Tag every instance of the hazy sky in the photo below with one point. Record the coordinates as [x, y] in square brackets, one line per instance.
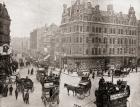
[29, 14]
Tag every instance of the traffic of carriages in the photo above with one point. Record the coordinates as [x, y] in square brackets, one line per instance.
[24, 84]
[49, 79]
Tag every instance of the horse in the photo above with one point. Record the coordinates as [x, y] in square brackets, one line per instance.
[70, 87]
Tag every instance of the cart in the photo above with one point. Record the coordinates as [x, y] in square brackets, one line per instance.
[50, 94]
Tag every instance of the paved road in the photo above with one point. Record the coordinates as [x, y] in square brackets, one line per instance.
[35, 97]
[68, 101]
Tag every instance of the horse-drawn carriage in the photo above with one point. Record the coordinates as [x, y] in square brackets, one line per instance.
[25, 84]
[41, 72]
[120, 72]
[50, 94]
[82, 90]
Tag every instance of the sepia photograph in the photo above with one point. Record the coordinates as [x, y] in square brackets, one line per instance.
[69, 53]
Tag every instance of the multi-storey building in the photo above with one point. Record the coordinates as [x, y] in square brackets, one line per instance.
[41, 39]
[33, 42]
[139, 43]
[97, 37]
[5, 54]
[20, 44]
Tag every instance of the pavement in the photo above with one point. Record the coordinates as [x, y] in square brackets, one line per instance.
[69, 101]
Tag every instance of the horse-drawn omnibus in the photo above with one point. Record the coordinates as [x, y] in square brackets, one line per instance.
[50, 94]
[112, 95]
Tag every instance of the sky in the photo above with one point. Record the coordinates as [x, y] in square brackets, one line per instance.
[27, 15]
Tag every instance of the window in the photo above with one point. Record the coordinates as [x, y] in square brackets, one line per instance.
[105, 30]
[113, 40]
[121, 40]
[110, 40]
[113, 51]
[96, 39]
[93, 40]
[97, 30]
[100, 30]
[77, 40]
[118, 40]
[126, 41]
[86, 39]
[114, 31]
[77, 28]
[70, 39]
[100, 40]
[81, 28]
[109, 50]
[99, 51]
[70, 50]
[86, 51]
[110, 30]
[92, 51]
[96, 51]
[80, 39]
[129, 32]
[87, 28]
[126, 32]
[93, 29]
[70, 29]
[121, 31]
[105, 40]
[129, 41]
[134, 41]
[118, 51]
[104, 50]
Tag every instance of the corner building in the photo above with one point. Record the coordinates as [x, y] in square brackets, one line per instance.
[94, 38]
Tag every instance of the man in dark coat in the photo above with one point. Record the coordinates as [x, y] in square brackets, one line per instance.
[27, 97]
[6, 90]
[28, 71]
[10, 90]
[32, 71]
[23, 96]
[16, 93]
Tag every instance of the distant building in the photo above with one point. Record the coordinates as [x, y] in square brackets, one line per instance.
[33, 42]
[139, 43]
[41, 39]
[20, 44]
[94, 37]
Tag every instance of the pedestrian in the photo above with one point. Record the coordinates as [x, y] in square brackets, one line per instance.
[93, 75]
[10, 90]
[32, 71]
[28, 71]
[16, 93]
[27, 97]
[23, 96]
[6, 90]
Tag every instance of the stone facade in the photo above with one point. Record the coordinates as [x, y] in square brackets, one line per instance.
[91, 36]
[41, 39]
[5, 56]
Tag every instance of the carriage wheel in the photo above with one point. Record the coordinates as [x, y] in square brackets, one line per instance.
[81, 96]
[45, 104]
